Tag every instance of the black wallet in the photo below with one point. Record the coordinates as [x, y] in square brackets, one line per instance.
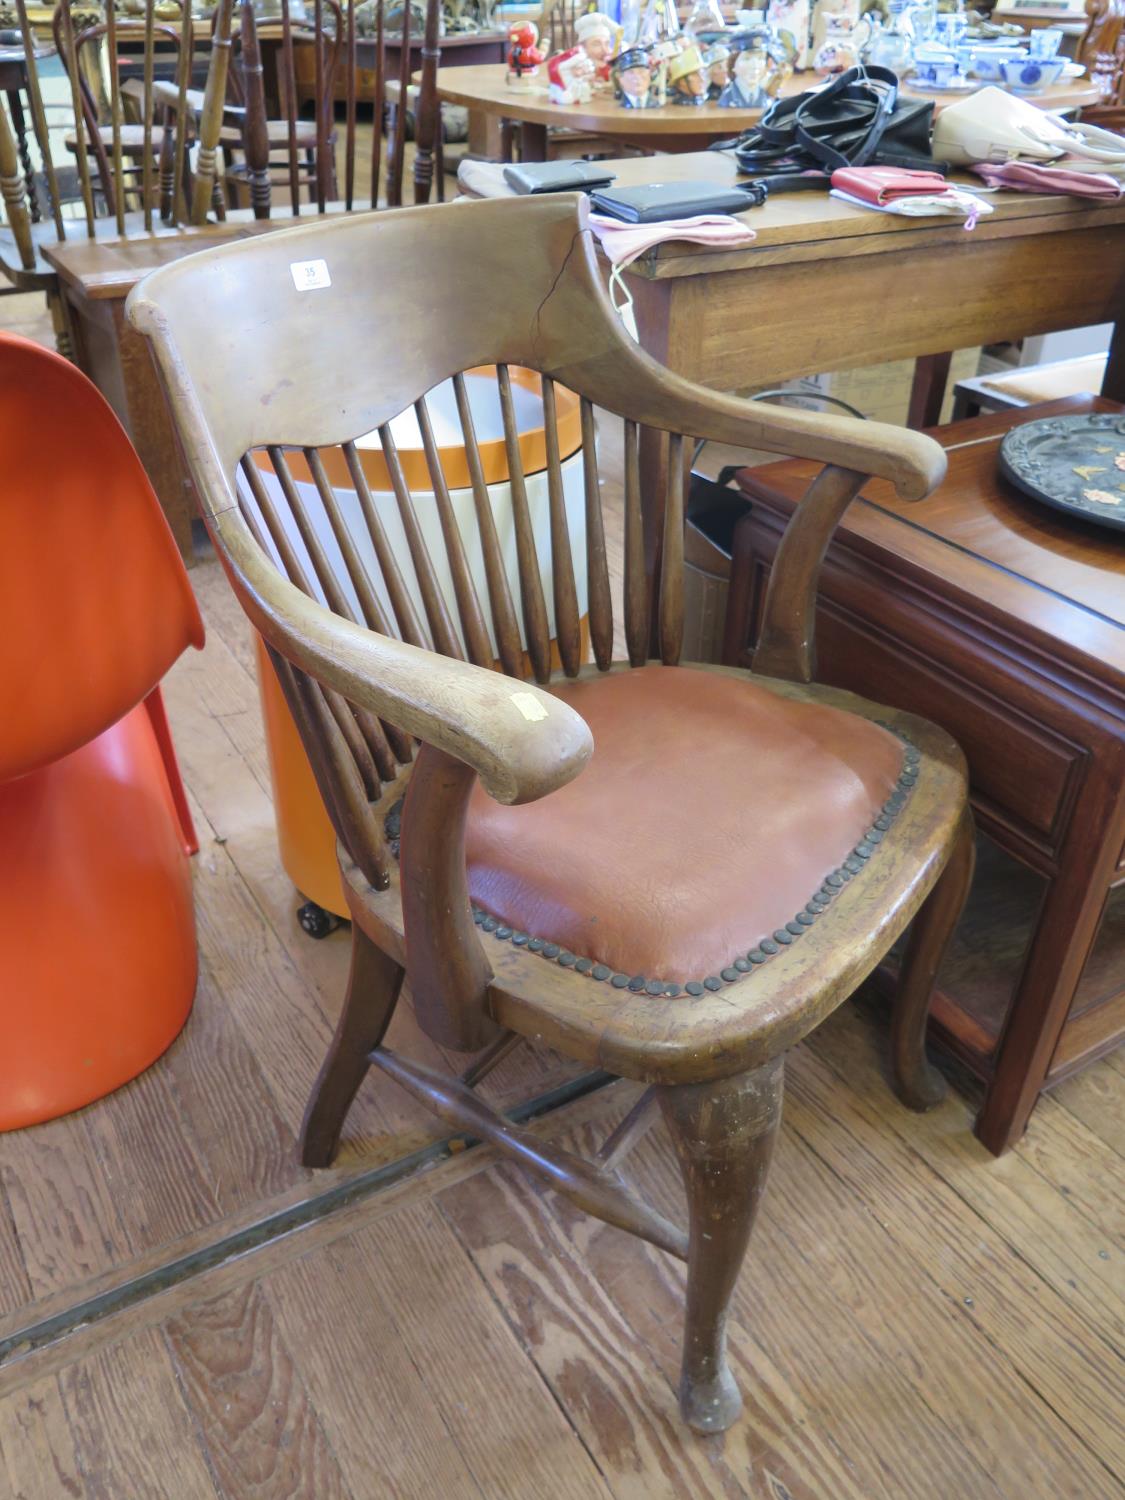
[557, 176]
[677, 200]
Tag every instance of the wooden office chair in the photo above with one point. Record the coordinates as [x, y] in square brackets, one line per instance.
[671, 872]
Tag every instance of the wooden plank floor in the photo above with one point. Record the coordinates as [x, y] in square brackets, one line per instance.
[183, 1317]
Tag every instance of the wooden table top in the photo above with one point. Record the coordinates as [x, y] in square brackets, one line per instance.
[814, 226]
[1064, 578]
[486, 87]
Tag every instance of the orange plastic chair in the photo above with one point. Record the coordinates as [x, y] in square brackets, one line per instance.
[97, 932]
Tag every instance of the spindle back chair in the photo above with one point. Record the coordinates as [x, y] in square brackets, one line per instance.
[140, 165]
[131, 174]
[398, 625]
[1102, 50]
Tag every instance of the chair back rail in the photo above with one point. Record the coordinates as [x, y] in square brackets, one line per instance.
[286, 398]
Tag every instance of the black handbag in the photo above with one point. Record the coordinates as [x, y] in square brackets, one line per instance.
[857, 120]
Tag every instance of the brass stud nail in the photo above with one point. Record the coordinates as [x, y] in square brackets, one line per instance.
[742, 965]
[693, 987]
[637, 983]
[805, 919]
[504, 933]
[730, 975]
[671, 990]
[519, 939]
[782, 937]
[535, 945]
[835, 880]
[882, 821]
[567, 960]
[769, 946]
[551, 950]
[655, 987]
[794, 927]
[619, 981]
[853, 864]
[490, 924]
[582, 965]
[756, 956]
[712, 983]
[601, 971]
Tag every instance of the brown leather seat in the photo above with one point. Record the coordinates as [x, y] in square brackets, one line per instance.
[708, 829]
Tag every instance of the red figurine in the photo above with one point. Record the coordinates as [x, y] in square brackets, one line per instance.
[524, 55]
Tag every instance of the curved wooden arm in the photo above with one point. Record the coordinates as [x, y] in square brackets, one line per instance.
[521, 741]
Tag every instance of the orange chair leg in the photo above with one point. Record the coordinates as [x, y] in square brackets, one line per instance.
[158, 718]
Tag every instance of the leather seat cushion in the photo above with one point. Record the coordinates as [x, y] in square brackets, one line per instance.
[709, 814]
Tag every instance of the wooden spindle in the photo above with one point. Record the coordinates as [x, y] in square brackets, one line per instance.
[183, 81]
[599, 596]
[147, 114]
[406, 616]
[427, 116]
[288, 92]
[39, 117]
[115, 118]
[379, 101]
[468, 605]
[395, 170]
[536, 628]
[567, 630]
[211, 117]
[13, 189]
[337, 775]
[318, 106]
[255, 128]
[325, 573]
[384, 744]
[672, 557]
[64, 38]
[349, 112]
[372, 610]
[433, 600]
[504, 623]
[636, 584]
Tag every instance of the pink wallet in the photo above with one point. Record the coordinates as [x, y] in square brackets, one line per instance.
[884, 184]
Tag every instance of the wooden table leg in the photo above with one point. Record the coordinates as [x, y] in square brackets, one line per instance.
[927, 392]
[485, 136]
[533, 141]
[1113, 381]
[1064, 934]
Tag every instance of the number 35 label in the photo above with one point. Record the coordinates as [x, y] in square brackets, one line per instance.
[309, 275]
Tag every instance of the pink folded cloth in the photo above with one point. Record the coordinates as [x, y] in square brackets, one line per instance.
[1034, 177]
[623, 242]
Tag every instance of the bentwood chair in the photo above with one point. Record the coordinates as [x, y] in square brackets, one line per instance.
[673, 872]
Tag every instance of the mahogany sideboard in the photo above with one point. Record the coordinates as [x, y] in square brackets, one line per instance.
[1004, 622]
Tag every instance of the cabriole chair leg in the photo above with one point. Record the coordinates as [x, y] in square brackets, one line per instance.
[374, 983]
[724, 1134]
[916, 1081]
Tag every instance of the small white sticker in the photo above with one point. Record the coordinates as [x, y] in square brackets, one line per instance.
[309, 275]
[529, 705]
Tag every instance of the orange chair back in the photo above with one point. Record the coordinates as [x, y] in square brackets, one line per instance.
[95, 604]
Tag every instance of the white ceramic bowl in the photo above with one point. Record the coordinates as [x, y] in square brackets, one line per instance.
[1031, 75]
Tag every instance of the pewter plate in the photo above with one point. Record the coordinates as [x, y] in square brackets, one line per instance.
[1076, 464]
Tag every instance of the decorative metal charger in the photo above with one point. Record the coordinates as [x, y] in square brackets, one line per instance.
[1076, 464]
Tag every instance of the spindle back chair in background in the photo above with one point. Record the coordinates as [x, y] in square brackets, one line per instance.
[1102, 50]
[512, 921]
[131, 174]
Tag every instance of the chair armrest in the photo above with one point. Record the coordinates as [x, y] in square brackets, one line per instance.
[520, 741]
